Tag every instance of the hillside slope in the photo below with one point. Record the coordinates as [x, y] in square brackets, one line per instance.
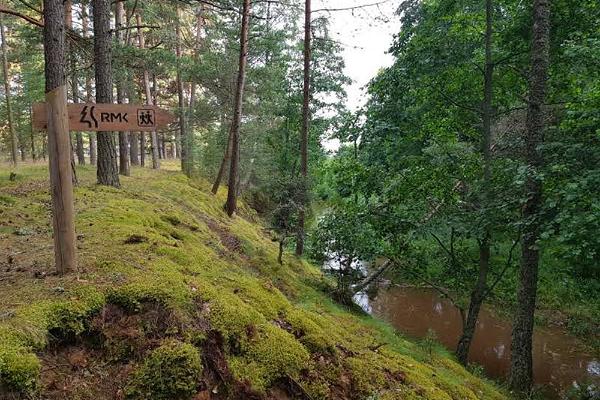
[174, 300]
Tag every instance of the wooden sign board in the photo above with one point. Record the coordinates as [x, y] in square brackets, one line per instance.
[91, 117]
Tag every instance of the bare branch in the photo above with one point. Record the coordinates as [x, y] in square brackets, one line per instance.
[351, 8]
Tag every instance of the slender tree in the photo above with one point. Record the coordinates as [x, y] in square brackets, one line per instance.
[58, 136]
[231, 204]
[146, 82]
[480, 290]
[88, 81]
[181, 137]
[521, 368]
[123, 136]
[7, 95]
[224, 161]
[305, 128]
[74, 84]
[108, 171]
[188, 142]
[69, 26]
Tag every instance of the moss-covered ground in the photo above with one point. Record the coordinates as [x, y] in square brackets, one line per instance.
[173, 299]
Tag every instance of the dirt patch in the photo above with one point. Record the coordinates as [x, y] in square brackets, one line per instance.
[231, 242]
[78, 371]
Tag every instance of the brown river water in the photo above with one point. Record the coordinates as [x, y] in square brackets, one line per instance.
[560, 360]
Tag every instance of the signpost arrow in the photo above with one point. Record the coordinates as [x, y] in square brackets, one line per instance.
[91, 117]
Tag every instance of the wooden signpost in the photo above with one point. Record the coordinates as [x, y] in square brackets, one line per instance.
[91, 117]
[58, 118]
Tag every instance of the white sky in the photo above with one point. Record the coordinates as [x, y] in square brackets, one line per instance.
[366, 35]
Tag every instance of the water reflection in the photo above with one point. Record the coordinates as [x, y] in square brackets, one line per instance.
[559, 359]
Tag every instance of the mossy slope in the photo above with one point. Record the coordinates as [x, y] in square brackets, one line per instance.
[164, 239]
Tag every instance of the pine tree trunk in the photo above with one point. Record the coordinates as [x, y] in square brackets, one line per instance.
[231, 204]
[75, 96]
[189, 139]
[142, 149]
[123, 136]
[480, 291]
[7, 96]
[305, 129]
[521, 368]
[88, 82]
[223, 165]
[68, 26]
[32, 135]
[108, 171]
[146, 78]
[181, 137]
[63, 215]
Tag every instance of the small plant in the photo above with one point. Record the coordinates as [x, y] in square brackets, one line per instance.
[429, 342]
[171, 372]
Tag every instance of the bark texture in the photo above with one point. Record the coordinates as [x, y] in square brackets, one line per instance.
[231, 204]
[6, 75]
[181, 137]
[146, 81]
[521, 368]
[123, 136]
[88, 82]
[107, 171]
[305, 128]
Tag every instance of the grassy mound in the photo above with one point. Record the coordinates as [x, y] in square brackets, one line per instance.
[173, 299]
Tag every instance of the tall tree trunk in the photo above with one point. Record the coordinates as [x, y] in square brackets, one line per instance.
[181, 136]
[74, 86]
[142, 149]
[305, 129]
[88, 82]
[69, 26]
[225, 159]
[188, 144]
[63, 214]
[123, 136]
[32, 134]
[146, 78]
[108, 171]
[521, 368]
[478, 294]
[231, 204]
[11, 126]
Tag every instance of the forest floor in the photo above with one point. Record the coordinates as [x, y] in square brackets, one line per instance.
[173, 299]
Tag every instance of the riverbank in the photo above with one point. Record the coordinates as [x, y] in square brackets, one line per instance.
[423, 314]
[166, 280]
[563, 301]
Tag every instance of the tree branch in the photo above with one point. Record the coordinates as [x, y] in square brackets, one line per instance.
[351, 8]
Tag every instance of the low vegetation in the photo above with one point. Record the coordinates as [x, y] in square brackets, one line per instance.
[174, 300]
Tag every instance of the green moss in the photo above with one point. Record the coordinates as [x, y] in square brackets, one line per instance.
[273, 354]
[19, 370]
[275, 320]
[171, 372]
[366, 377]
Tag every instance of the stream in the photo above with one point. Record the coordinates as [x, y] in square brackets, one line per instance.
[560, 360]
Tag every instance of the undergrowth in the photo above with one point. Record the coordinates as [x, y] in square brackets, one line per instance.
[177, 299]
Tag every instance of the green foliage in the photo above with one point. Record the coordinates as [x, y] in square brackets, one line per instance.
[343, 238]
[172, 371]
[275, 321]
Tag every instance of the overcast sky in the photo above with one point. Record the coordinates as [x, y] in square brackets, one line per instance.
[367, 34]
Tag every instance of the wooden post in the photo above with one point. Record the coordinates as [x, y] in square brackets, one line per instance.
[59, 147]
